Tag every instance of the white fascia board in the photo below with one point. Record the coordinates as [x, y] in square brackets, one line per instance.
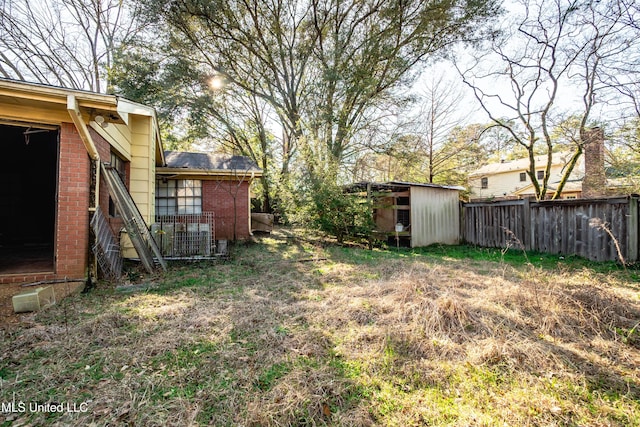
[126, 107]
[235, 173]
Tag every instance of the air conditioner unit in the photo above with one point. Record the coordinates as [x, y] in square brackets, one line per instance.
[183, 240]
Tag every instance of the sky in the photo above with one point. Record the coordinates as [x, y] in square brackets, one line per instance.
[569, 98]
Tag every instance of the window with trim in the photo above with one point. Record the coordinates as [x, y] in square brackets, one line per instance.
[178, 197]
[119, 165]
[484, 183]
[540, 174]
[523, 176]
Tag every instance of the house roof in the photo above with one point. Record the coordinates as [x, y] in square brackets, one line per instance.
[521, 164]
[114, 109]
[208, 164]
[575, 186]
[27, 101]
[571, 186]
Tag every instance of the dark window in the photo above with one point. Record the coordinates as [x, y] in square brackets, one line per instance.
[403, 201]
[523, 177]
[484, 183]
[404, 216]
[118, 164]
[178, 197]
[540, 174]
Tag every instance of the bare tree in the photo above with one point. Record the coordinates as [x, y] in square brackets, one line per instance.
[64, 42]
[236, 122]
[558, 48]
[623, 74]
[439, 115]
[367, 49]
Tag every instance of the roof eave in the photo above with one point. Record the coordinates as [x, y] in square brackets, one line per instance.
[428, 185]
[236, 173]
[89, 103]
[56, 95]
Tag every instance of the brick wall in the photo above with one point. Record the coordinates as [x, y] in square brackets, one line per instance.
[594, 183]
[72, 232]
[217, 197]
[104, 150]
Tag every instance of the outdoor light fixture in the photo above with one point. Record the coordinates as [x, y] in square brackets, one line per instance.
[100, 120]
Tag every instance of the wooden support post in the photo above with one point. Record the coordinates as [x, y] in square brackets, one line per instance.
[461, 222]
[527, 234]
[632, 227]
[370, 206]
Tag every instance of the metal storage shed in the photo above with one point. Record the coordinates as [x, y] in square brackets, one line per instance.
[428, 213]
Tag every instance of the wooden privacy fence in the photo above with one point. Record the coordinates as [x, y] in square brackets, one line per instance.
[569, 227]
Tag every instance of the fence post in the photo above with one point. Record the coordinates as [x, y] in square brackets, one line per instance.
[462, 223]
[526, 220]
[632, 227]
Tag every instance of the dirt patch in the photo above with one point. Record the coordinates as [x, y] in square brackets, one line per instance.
[7, 316]
[7, 291]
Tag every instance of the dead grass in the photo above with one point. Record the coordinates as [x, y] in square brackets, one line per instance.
[356, 338]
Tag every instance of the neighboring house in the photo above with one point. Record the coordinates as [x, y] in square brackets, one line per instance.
[424, 213]
[54, 141]
[200, 183]
[509, 179]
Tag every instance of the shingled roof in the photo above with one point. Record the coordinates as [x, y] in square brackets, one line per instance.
[521, 165]
[209, 162]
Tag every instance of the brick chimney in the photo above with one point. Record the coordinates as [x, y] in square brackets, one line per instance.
[594, 183]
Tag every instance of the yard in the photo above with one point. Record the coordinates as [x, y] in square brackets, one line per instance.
[297, 331]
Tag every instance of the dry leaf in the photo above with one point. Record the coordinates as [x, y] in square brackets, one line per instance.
[326, 410]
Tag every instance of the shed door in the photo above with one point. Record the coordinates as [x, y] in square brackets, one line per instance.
[28, 184]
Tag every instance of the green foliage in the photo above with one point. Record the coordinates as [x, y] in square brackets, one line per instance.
[270, 375]
[324, 205]
[324, 74]
[139, 73]
[340, 214]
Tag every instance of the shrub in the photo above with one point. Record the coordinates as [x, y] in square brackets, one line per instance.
[341, 214]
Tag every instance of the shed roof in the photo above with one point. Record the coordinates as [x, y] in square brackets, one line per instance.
[398, 185]
[208, 163]
[429, 185]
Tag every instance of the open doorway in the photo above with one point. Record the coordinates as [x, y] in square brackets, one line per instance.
[28, 186]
